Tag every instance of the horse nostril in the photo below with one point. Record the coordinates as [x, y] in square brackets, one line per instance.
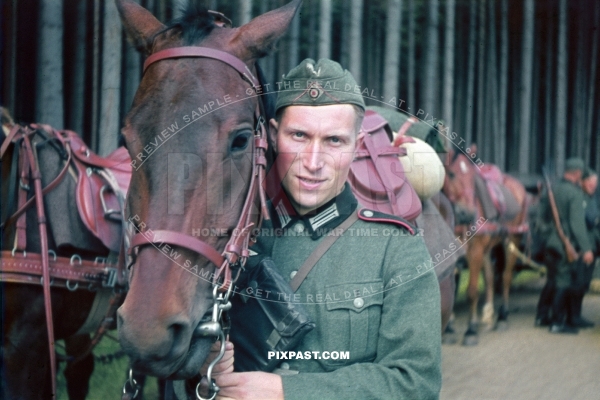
[179, 334]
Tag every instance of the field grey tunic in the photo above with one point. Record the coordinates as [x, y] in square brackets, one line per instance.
[373, 294]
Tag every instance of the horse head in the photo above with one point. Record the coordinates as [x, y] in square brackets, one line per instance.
[459, 185]
[190, 135]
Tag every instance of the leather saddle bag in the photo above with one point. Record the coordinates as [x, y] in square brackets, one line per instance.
[377, 177]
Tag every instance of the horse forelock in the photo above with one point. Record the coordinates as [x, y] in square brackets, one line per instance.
[194, 24]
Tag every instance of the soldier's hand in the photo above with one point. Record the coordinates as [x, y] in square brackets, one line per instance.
[225, 365]
[588, 257]
[249, 386]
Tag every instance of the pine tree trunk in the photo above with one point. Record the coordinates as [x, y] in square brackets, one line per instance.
[9, 60]
[579, 88]
[96, 63]
[375, 74]
[110, 121]
[534, 157]
[481, 90]
[589, 115]
[526, 79]
[294, 43]
[325, 29]
[470, 100]
[459, 66]
[411, 86]
[76, 68]
[49, 101]
[392, 50]
[355, 48]
[549, 92]
[561, 88]
[313, 12]
[503, 85]
[495, 147]
[430, 83]
[344, 35]
[245, 11]
[448, 96]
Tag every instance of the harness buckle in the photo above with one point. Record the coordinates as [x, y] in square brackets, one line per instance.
[260, 121]
[110, 277]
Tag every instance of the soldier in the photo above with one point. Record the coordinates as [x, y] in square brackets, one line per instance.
[589, 183]
[372, 294]
[570, 203]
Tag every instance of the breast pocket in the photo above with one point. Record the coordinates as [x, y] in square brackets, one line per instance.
[353, 321]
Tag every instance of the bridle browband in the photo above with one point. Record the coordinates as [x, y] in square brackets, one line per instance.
[236, 252]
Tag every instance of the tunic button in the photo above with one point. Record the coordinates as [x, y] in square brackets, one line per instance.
[368, 213]
[299, 228]
[293, 274]
[285, 365]
[359, 302]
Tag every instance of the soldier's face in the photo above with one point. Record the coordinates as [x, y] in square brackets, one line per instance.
[315, 147]
[590, 184]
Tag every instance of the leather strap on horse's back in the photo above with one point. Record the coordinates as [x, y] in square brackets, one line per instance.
[37, 182]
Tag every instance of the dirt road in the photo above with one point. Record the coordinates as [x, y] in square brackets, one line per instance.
[525, 362]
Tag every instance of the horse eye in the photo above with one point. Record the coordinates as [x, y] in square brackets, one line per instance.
[240, 142]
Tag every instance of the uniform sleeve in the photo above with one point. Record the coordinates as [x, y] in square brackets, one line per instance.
[408, 361]
[577, 223]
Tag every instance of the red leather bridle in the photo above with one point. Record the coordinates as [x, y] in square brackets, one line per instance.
[236, 250]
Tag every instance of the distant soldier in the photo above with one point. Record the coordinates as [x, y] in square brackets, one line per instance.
[568, 282]
[589, 183]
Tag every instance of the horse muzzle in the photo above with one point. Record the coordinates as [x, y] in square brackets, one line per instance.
[463, 216]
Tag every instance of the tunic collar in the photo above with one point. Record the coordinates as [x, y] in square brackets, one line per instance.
[318, 222]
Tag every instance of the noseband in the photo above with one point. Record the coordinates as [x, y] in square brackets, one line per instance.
[236, 249]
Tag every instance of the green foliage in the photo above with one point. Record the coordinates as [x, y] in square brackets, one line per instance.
[108, 379]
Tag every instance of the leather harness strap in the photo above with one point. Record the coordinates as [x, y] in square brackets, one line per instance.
[64, 271]
[45, 191]
[31, 268]
[204, 52]
[321, 249]
[177, 239]
[236, 249]
[37, 182]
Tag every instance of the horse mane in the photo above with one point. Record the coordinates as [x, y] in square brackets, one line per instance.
[195, 23]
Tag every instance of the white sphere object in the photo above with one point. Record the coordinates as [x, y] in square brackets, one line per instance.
[423, 168]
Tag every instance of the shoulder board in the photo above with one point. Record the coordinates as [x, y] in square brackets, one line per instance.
[375, 216]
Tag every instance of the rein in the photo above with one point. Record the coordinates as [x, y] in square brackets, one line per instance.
[236, 252]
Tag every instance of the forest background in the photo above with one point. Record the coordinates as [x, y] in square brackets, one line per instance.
[518, 77]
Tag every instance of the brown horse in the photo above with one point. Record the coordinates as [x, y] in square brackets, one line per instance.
[190, 137]
[482, 232]
[26, 372]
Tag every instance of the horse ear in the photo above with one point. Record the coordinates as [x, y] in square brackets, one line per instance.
[140, 25]
[257, 38]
